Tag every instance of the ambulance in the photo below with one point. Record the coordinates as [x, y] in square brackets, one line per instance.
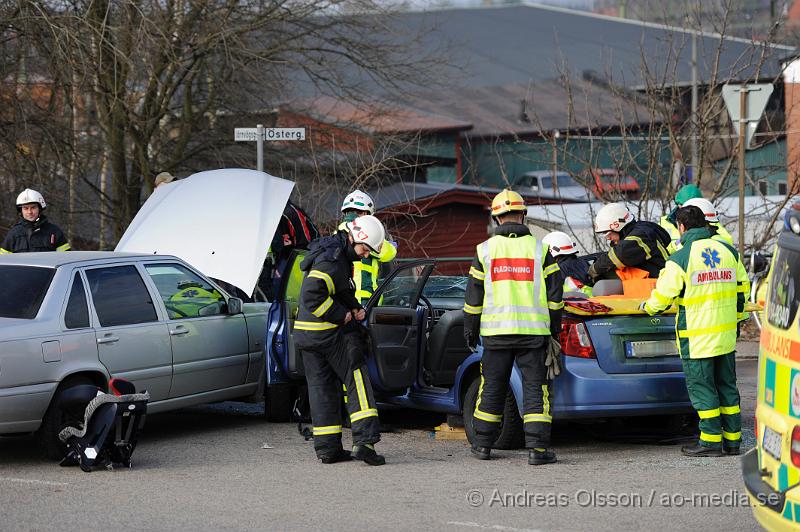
[771, 470]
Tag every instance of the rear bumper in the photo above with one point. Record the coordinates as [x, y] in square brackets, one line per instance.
[22, 407]
[768, 504]
[585, 390]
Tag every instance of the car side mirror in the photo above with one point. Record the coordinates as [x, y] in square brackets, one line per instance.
[234, 305]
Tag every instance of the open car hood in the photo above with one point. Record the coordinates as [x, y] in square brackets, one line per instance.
[220, 221]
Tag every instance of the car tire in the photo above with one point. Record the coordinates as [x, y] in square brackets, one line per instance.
[511, 434]
[278, 403]
[55, 419]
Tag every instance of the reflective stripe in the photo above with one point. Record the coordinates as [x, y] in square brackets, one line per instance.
[469, 309]
[509, 309]
[363, 294]
[662, 299]
[711, 438]
[323, 307]
[373, 267]
[537, 418]
[729, 410]
[314, 326]
[696, 300]
[642, 245]
[4, 252]
[555, 306]
[325, 277]
[513, 325]
[707, 330]
[362, 392]
[707, 414]
[490, 418]
[324, 431]
[733, 436]
[362, 414]
[64, 247]
[613, 256]
[546, 400]
[476, 273]
[551, 269]
[664, 252]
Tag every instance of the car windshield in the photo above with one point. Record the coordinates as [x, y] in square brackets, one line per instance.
[564, 180]
[22, 289]
[445, 286]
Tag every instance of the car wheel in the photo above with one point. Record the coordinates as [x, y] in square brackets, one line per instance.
[278, 403]
[511, 434]
[56, 418]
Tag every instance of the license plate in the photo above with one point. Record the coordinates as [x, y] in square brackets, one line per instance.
[652, 348]
[772, 443]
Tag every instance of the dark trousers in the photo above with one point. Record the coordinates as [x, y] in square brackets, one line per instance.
[711, 383]
[496, 368]
[326, 369]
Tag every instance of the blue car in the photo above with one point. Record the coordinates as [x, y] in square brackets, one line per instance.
[624, 365]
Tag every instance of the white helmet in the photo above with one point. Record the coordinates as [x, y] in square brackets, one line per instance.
[367, 230]
[560, 244]
[31, 196]
[612, 217]
[704, 205]
[360, 201]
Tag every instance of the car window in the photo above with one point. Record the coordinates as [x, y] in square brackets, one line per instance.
[22, 289]
[564, 180]
[401, 290]
[185, 294]
[120, 296]
[77, 313]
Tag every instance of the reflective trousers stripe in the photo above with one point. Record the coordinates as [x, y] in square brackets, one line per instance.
[314, 325]
[491, 418]
[323, 307]
[325, 431]
[361, 414]
[708, 414]
[537, 418]
[711, 438]
[707, 330]
[362, 392]
[733, 436]
[730, 410]
[546, 400]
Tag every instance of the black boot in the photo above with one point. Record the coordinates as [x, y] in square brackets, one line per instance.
[334, 457]
[366, 453]
[698, 450]
[731, 451]
[541, 457]
[481, 453]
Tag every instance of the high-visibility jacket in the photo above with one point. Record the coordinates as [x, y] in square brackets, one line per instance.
[708, 281]
[722, 233]
[674, 234]
[367, 271]
[187, 302]
[515, 295]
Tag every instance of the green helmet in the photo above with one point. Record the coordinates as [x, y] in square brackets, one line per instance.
[686, 193]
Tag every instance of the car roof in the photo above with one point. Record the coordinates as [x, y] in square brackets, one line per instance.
[57, 259]
[545, 173]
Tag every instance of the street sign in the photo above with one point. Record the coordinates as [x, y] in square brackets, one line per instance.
[757, 97]
[250, 134]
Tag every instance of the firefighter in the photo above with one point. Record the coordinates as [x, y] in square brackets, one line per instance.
[367, 270]
[638, 248]
[514, 301]
[712, 218]
[34, 232]
[327, 304]
[667, 222]
[706, 277]
[574, 270]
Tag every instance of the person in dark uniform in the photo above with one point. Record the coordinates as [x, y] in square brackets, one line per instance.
[327, 304]
[34, 232]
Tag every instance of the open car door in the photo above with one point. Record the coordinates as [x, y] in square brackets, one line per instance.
[395, 326]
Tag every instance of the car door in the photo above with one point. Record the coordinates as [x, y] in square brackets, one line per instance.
[395, 326]
[131, 341]
[209, 346]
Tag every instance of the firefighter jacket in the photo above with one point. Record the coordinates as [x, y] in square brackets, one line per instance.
[575, 272]
[642, 245]
[708, 282]
[514, 290]
[367, 271]
[40, 235]
[327, 294]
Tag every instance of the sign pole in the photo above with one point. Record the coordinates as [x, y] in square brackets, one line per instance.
[260, 147]
[742, 132]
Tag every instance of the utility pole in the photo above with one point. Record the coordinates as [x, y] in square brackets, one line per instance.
[556, 134]
[696, 170]
[742, 132]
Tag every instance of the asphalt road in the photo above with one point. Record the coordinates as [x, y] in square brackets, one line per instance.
[221, 467]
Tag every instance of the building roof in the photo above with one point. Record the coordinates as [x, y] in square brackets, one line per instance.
[501, 45]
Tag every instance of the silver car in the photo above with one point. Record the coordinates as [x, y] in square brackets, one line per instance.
[540, 183]
[84, 317]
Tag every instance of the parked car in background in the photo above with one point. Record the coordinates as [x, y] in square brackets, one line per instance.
[541, 183]
[68, 319]
[614, 365]
[609, 184]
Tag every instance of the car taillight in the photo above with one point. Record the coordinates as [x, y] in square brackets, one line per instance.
[795, 447]
[574, 338]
